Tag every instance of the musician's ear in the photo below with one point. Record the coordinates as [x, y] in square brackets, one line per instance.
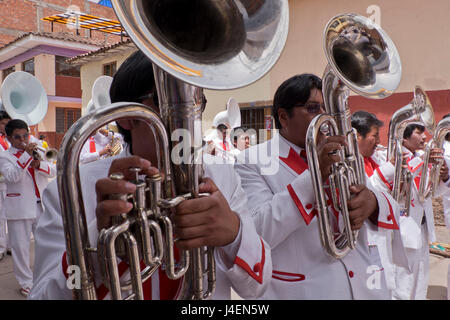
[282, 117]
[126, 124]
[358, 136]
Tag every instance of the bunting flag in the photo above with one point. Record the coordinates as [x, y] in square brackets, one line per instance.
[106, 3]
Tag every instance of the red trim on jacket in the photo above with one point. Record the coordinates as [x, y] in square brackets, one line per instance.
[294, 277]
[3, 143]
[295, 162]
[257, 271]
[48, 170]
[307, 217]
[18, 155]
[391, 216]
[371, 167]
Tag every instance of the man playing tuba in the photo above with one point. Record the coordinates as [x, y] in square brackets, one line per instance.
[220, 220]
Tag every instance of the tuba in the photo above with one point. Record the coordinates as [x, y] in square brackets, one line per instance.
[24, 98]
[429, 180]
[420, 111]
[363, 58]
[212, 44]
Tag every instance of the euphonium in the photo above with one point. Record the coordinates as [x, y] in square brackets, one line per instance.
[212, 44]
[420, 111]
[116, 145]
[361, 57]
[429, 179]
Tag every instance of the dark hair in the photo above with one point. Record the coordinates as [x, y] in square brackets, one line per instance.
[447, 136]
[236, 132]
[15, 124]
[132, 82]
[410, 129]
[294, 91]
[363, 122]
[4, 115]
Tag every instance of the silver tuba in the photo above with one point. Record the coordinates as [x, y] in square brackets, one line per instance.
[363, 58]
[429, 180]
[24, 97]
[420, 111]
[207, 44]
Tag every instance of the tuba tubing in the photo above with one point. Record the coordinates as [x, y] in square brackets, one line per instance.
[80, 250]
[361, 57]
[420, 111]
[429, 179]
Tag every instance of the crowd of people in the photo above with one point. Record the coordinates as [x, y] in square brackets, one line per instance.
[264, 224]
[25, 171]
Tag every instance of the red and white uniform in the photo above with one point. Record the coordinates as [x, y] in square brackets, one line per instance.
[446, 205]
[225, 149]
[22, 205]
[388, 240]
[4, 145]
[92, 147]
[281, 201]
[417, 230]
[244, 265]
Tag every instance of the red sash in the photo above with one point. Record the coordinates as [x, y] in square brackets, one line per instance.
[224, 145]
[92, 148]
[31, 171]
[3, 143]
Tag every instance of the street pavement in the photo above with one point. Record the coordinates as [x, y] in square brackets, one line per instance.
[437, 288]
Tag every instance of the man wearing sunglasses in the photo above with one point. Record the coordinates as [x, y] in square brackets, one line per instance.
[25, 178]
[282, 203]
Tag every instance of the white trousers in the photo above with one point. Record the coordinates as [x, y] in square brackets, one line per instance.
[20, 239]
[414, 285]
[3, 225]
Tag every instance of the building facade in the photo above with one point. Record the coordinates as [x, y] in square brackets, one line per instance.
[30, 43]
[418, 30]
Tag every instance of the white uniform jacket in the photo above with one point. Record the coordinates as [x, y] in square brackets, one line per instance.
[20, 201]
[92, 147]
[244, 265]
[281, 201]
[388, 240]
[4, 145]
[446, 196]
[410, 226]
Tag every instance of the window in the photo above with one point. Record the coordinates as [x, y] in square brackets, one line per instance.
[28, 66]
[62, 68]
[65, 118]
[254, 118]
[8, 71]
[109, 69]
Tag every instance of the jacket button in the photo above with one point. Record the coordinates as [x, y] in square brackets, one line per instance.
[257, 267]
[351, 274]
[389, 218]
[309, 206]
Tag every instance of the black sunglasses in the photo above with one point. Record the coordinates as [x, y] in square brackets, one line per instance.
[312, 107]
